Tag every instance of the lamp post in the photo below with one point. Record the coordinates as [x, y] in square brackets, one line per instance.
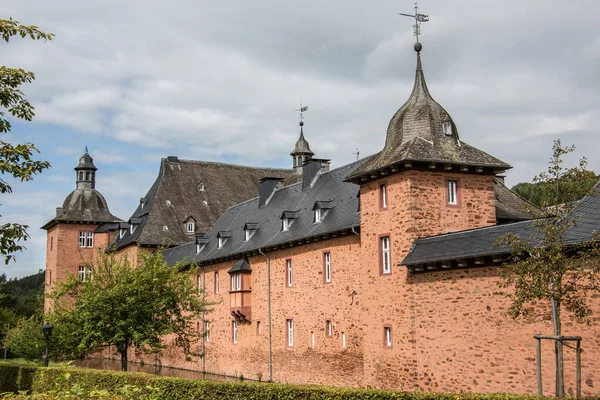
[47, 329]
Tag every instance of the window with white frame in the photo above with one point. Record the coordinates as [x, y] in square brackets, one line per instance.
[385, 255]
[216, 282]
[383, 196]
[312, 338]
[447, 128]
[121, 233]
[86, 239]
[234, 331]
[327, 266]
[285, 224]
[328, 328]
[318, 215]
[207, 331]
[221, 242]
[81, 273]
[258, 328]
[288, 269]
[248, 233]
[343, 339]
[236, 282]
[452, 192]
[132, 228]
[199, 248]
[190, 227]
[387, 336]
[290, 332]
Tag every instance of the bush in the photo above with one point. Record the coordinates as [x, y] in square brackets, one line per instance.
[82, 383]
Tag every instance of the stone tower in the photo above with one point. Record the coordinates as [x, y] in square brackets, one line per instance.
[425, 181]
[72, 235]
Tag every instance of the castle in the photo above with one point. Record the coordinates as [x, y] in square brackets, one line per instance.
[380, 273]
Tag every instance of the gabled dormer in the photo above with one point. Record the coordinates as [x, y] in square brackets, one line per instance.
[287, 219]
[222, 237]
[189, 225]
[320, 210]
[250, 229]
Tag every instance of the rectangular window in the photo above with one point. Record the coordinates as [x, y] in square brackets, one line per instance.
[327, 266]
[81, 239]
[285, 224]
[452, 192]
[385, 255]
[344, 339]
[236, 282]
[197, 327]
[90, 239]
[190, 227]
[318, 215]
[221, 242]
[234, 331]
[81, 273]
[329, 328]
[246, 235]
[312, 338]
[383, 196]
[288, 264]
[50, 278]
[387, 336]
[216, 282]
[51, 243]
[258, 328]
[207, 331]
[290, 332]
[198, 283]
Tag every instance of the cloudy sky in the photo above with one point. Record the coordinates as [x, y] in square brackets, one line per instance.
[139, 80]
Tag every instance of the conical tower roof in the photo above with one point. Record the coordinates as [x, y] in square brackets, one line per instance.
[302, 147]
[86, 162]
[422, 131]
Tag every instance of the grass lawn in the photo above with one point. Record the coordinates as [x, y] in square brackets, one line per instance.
[22, 361]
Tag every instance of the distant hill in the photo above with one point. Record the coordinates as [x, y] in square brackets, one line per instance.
[539, 193]
[23, 296]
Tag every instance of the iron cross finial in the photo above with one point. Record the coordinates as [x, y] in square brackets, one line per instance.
[418, 19]
[302, 110]
[86, 149]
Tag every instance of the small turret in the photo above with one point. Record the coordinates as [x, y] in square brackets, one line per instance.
[85, 172]
[302, 152]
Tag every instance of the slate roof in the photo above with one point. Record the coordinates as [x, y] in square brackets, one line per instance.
[510, 207]
[329, 187]
[302, 146]
[415, 134]
[176, 196]
[482, 242]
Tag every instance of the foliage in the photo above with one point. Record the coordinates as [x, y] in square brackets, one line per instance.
[546, 266]
[145, 386]
[16, 160]
[26, 339]
[544, 194]
[125, 305]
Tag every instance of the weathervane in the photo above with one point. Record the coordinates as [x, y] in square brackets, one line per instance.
[418, 19]
[357, 153]
[86, 149]
[302, 110]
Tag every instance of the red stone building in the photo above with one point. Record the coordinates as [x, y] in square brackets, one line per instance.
[380, 273]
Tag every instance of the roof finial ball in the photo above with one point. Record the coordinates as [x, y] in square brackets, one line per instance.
[418, 47]
[301, 123]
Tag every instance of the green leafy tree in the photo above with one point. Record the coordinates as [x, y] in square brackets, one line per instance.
[127, 306]
[546, 267]
[26, 340]
[16, 160]
[542, 193]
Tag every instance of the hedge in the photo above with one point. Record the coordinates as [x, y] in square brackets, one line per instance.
[85, 383]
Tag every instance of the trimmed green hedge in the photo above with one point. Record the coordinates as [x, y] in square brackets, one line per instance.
[110, 384]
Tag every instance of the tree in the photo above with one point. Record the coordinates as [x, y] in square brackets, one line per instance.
[16, 160]
[540, 193]
[127, 306]
[26, 340]
[545, 267]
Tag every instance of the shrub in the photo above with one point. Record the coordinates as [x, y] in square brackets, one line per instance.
[81, 383]
[26, 339]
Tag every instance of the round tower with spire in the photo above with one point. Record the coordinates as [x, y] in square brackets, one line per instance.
[80, 227]
[302, 152]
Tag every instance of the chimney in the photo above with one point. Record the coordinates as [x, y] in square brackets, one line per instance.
[266, 188]
[310, 170]
[59, 211]
[173, 159]
[501, 178]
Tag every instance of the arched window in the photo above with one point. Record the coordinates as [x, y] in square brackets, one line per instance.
[87, 176]
[80, 175]
[299, 162]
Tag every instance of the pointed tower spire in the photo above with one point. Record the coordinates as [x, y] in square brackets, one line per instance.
[302, 151]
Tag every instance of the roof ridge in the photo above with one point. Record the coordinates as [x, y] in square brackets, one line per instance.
[226, 164]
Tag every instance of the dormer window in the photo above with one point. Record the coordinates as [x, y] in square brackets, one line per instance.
[447, 128]
[200, 243]
[201, 187]
[321, 208]
[285, 224]
[121, 233]
[287, 219]
[132, 229]
[249, 230]
[222, 238]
